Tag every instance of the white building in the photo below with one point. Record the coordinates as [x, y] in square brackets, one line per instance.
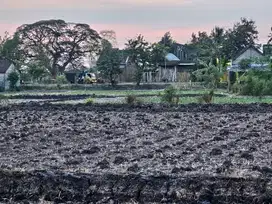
[6, 67]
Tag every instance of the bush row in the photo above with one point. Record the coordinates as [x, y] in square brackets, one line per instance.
[254, 83]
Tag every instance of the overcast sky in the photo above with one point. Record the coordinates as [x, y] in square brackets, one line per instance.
[152, 18]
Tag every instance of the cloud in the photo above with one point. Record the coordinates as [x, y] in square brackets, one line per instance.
[150, 17]
[90, 4]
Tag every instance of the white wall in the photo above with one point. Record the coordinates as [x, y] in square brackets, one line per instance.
[5, 76]
[250, 53]
[2, 78]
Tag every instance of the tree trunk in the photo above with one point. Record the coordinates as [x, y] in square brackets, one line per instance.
[54, 71]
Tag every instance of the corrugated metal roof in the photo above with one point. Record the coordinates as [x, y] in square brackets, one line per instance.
[172, 57]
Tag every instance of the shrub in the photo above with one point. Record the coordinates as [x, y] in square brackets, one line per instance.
[177, 99]
[268, 88]
[169, 94]
[210, 75]
[13, 78]
[245, 64]
[235, 88]
[89, 101]
[61, 79]
[206, 98]
[131, 99]
[256, 84]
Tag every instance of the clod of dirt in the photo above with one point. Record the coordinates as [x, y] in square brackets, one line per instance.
[148, 143]
[74, 161]
[175, 170]
[216, 151]
[134, 168]
[247, 156]
[92, 150]
[119, 160]
[253, 134]
[218, 138]
[224, 132]
[104, 164]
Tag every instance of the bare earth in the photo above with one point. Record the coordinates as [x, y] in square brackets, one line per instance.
[140, 142]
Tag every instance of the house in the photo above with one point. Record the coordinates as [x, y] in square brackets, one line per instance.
[234, 69]
[181, 61]
[6, 67]
[174, 64]
[249, 52]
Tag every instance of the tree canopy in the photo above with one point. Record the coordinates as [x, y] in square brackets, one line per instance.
[225, 44]
[168, 42]
[109, 62]
[140, 53]
[57, 42]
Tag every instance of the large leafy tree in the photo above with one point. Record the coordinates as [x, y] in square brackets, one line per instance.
[36, 71]
[209, 46]
[242, 35]
[140, 53]
[62, 43]
[109, 62]
[3, 40]
[168, 42]
[9, 49]
[225, 44]
[110, 36]
[158, 53]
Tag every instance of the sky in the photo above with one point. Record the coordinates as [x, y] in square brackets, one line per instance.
[151, 18]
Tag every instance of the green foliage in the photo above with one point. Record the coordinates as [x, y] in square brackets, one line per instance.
[158, 52]
[169, 95]
[9, 49]
[131, 99]
[89, 101]
[225, 44]
[13, 78]
[62, 44]
[210, 75]
[243, 34]
[37, 71]
[167, 42]
[206, 98]
[140, 53]
[244, 64]
[255, 83]
[61, 79]
[109, 62]
[209, 46]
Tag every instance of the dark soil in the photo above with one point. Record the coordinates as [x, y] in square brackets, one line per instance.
[116, 154]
